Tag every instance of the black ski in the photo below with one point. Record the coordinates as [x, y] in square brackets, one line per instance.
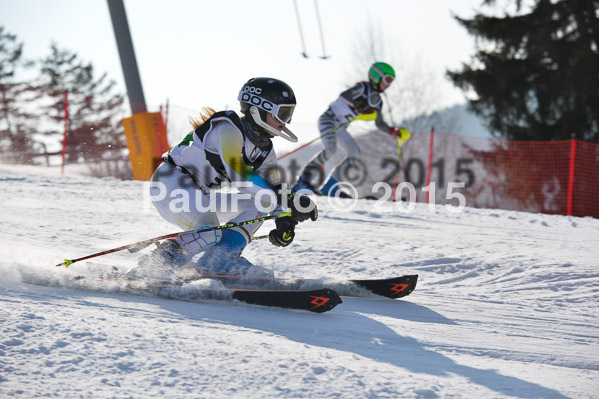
[317, 300]
[395, 287]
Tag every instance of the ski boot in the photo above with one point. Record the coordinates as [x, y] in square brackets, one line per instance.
[332, 190]
[225, 258]
[160, 263]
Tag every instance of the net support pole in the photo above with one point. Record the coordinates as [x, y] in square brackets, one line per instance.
[430, 164]
[571, 176]
[66, 129]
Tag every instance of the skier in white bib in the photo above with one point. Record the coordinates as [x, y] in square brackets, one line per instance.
[224, 147]
[363, 102]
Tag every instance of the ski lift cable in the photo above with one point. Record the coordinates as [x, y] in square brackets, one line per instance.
[299, 24]
[324, 55]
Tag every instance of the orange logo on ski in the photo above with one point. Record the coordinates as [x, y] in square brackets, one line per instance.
[397, 288]
[318, 301]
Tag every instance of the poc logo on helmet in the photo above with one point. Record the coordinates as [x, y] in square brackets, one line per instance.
[251, 89]
[257, 101]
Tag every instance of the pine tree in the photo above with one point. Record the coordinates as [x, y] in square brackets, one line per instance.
[17, 123]
[536, 73]
[95, 134]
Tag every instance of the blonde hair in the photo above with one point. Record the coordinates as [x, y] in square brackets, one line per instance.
[205, 114]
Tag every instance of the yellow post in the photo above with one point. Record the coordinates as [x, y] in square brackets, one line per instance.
[146, 141]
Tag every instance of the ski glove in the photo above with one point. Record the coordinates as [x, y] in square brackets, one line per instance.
[302, 207]
[283, 235]
[395, 131]
[400, 132]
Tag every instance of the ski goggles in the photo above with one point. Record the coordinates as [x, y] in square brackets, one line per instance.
[386, 78]
[281, 112]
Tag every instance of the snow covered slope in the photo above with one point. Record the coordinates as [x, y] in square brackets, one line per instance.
[506, 305]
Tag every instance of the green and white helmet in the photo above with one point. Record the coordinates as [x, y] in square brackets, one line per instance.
[381, 71]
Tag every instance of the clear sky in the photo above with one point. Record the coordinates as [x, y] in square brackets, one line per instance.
[199, 53]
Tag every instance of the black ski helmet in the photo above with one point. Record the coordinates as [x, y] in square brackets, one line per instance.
[259, 96]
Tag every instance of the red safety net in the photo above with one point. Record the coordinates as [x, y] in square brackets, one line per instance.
[558, 177]
[585, 184]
